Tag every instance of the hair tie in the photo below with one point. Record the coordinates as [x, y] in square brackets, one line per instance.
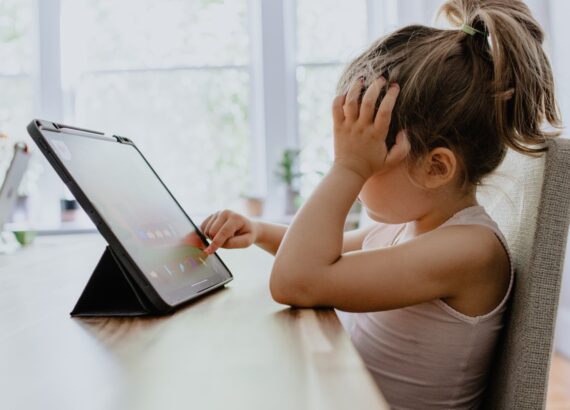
[471, 30]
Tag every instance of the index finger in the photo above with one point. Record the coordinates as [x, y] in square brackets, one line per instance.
[224, 233]
[337, 108]
[384, 114]
[369, 100]
[205, 223]
[351, 103]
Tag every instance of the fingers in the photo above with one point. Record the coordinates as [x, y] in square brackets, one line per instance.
[213, 223]
[225, 232]
[216, 224]
[350, 108]
[241, 241]
[227, 229]
[351, 103]
[399, 150]
[207, 224]
[384, 114]
[368, 105]
[337, 109]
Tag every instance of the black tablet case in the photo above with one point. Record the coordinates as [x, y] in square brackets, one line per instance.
[110, 292]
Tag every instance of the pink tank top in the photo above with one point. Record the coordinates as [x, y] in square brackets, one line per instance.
[428, 356]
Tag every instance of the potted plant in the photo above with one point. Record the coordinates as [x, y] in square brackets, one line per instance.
[287, 172]
[253, 204]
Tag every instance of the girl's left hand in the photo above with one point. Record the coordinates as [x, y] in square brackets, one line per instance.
[360, 134]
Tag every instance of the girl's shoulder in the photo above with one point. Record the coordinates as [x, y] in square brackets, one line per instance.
[477, 217]
[487, 290]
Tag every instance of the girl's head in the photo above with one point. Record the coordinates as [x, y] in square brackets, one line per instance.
[464, 98]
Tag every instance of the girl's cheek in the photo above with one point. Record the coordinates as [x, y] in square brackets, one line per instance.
[372, 193]
[390, 198]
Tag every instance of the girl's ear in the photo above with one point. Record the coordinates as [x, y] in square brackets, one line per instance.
[440, 167]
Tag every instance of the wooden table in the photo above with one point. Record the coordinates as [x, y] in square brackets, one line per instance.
[234, 349]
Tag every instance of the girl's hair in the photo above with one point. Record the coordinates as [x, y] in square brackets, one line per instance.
[474, 94]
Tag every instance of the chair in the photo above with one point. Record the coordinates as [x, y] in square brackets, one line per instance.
[530, 200]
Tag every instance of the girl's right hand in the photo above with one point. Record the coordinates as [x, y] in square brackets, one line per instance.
[228, 229]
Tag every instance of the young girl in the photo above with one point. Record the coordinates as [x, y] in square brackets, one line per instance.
[422, 116]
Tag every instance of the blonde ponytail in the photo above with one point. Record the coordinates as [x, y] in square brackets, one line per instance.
[522, 77]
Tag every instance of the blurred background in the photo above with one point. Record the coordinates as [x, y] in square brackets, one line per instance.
[229, 100]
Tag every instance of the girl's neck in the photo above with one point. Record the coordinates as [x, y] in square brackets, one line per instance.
[439, 213]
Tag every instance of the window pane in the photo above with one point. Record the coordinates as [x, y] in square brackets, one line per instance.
[15, 107]
[110, 34]
[330, 30]
[316, 92]
[140, 67]
[17, 54]
[16, 36]
[16, 47]
[329, 34]
[192, 125]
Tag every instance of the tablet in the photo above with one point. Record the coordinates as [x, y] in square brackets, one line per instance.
[156, 241]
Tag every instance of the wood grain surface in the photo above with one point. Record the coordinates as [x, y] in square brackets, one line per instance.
[233, 349]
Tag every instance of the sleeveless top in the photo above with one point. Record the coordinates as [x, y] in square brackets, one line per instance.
[429, 356]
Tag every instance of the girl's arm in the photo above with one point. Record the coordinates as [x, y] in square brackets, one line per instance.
[269, 236]
[232, 230]
[310, 268]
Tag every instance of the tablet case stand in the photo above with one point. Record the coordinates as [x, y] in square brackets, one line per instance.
[110, 292]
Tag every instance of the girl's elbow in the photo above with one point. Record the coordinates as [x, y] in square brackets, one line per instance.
[281, 296]
[288, 292]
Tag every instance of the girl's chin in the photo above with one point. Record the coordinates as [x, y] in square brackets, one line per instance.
[375, 216]
[386, 219]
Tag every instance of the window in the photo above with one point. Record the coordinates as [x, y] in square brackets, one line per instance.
[329, 34]
[212, 91]
[173, 76]
[18, 47]
[16, 55]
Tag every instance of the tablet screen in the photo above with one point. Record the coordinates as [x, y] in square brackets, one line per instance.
[142, 214]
